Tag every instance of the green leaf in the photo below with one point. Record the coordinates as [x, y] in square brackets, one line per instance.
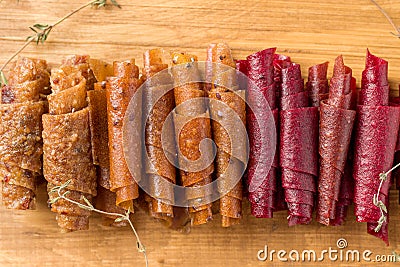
[119, 219]
[3, 79]
[115, 3]
[41, 26]
[87, 201]
[33, 29]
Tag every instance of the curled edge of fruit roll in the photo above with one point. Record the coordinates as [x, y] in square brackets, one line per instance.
[224, 88]
[119, 91]
[193, 121]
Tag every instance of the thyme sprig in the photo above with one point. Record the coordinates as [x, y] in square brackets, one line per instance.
[397, 29]
[42, 31]
[89, 206]
[378, 203]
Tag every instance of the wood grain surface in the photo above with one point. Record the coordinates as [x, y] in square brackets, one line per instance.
[309, 31]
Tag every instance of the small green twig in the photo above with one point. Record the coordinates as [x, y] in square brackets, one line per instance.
[90, 207]
[378, 203]
[397, 29]
[42, 31]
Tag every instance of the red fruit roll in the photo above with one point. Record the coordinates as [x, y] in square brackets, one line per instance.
[260, 71]
[298, 146]
[336, 125]
[376, 134]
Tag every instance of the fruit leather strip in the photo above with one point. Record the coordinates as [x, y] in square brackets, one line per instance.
[382, 234]
[30, 69]
[101, 70]
[81, 64]
[69, 216]
[158, 85]
[68, 100]
[260, 68]
[119, 93]
[19, 93]
[68, 157]
[298, 140]
[294, 101]
[298, 147]
[231, 202]
[97, 101]
[18, 197]
[374, 95]
[224, 127]
[224, 131]
[317, 84]
[64, 77]
[336, 127]
[20, 152]
[20, 129]
[194, 125]
[157, 124]
[20, 135]
[376, 137]
[106, 200]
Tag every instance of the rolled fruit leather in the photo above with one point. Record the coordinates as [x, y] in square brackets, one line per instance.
[21, 112]
[376, 135]
[192, 125]
[229, 165]
[158, 101]
[336, 125]
[260, 72]
[298, 146]
[120, 90]
[67, 148]
[97, 102]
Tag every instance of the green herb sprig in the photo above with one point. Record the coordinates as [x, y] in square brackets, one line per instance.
[41, 32]
[89, 206]
[378, 203]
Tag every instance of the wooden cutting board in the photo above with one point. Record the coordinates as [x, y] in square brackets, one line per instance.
[309, 31]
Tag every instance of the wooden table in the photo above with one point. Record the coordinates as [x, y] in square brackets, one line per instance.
[309, 31]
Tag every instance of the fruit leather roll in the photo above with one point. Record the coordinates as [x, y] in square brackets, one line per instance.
[377, 126]
[228, 103]
[317, 84]
[336, 125]
[97, 103]
[20, 132]
[158, 167]
[120, 89]
[298, 146]
[192, 126]
[67, 150]
[280, 62]
[260, 72]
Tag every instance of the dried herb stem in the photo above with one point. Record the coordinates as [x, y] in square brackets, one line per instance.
[42, 31]
[120, 217]
[397, 29]
[378, 203]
